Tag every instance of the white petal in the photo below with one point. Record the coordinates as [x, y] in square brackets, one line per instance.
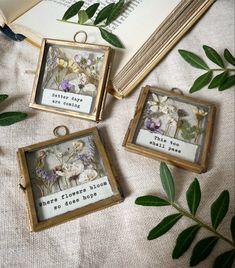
[164, 99]
[154, 108]
[155, 97]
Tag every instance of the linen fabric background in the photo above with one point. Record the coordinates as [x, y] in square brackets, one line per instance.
[117, 236]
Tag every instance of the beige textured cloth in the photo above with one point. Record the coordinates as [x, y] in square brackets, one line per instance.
[115, 237]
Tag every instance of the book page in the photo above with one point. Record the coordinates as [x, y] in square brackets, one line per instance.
[11, 9]
[138, 21]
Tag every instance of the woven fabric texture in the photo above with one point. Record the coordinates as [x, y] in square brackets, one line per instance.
[117, 236]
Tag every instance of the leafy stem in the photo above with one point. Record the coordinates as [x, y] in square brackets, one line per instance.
[221, 81]
[218, 211]
[223, 70]
[202, 224]
[103, 18]
[85, 24]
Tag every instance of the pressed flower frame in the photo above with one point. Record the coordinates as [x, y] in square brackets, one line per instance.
[171, 127]
[82, 183]
[72, 79]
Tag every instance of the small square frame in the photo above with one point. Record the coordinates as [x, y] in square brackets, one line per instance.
[35, 224]
[129, 140]
[96, 113]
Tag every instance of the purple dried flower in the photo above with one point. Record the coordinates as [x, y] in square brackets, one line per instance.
[153, 125]
[46, 176]
[65, 85]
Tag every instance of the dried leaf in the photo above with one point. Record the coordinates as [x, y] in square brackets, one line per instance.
[115, 12]
[201, 81]
[203, 249]
[219, 208]
[167, 181]
[165, 225]
[10, 118]
[193, 59]
[90, 11]
[229, 57]
[184, 240]
[194, 196]
[150, 200]
[104, 13]
[82, 16]
[3, 97]
[212, 54]
[111, 38]
[232, 228]
[218, 80]
[229, 82]
[73, 10]
[225, 260]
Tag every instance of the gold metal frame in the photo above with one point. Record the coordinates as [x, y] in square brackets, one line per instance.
[129, 144]
[96, 114]
[36, 225]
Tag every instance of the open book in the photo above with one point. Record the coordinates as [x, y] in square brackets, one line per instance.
[147, 28]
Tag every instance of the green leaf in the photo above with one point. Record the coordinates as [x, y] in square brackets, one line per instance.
[219, 208]
[229, 57]
[3, 97]
[193, 59]
[111, 38]
[203, 249]
[232, 228]
[225, 260]
[90, 11]
[165, 225]
[10, 118]
[150, 200]
[229, 82]
[73, 10]
[184, 240]
[115, 11]
[82, 16]
[213, 56]
[218, 80]
[167, 181]
[201, 81]
[104, 13]
[194, 196]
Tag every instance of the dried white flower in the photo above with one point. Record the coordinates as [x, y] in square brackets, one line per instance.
[71, 170]
[88, 175]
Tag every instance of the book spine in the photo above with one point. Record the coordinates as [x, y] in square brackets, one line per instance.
[8, 32]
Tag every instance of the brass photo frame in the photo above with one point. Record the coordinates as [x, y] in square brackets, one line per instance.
[72, 79]
[66, 177]
[171, 127]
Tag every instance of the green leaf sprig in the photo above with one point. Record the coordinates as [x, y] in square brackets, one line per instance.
[204, 247]
[222, 81]
[102, 19]
[9, 118]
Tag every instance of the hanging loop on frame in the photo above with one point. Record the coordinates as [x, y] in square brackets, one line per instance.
[61, 131]
[80, 33]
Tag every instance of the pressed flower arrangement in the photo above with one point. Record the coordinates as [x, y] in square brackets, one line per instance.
[168, 125]
[72, 79]
[66, 177]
